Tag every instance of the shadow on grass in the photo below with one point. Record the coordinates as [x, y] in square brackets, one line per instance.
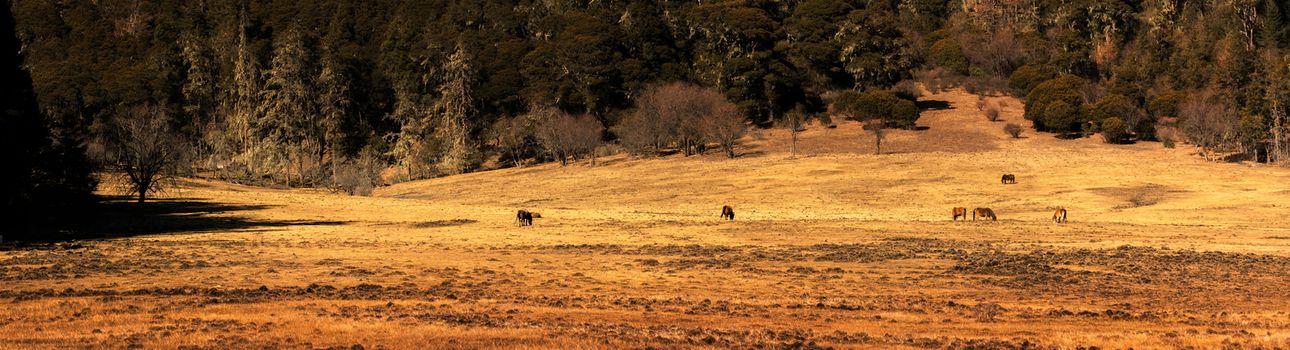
[122, 217]
[933, 105]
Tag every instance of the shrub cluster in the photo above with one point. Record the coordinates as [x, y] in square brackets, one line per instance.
[878, 104]
[1056, 105]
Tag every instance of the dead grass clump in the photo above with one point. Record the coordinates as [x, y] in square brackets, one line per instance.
[442, 223]
[1144, 196]
[986, 312]
[1142, 199]
[1137, 196]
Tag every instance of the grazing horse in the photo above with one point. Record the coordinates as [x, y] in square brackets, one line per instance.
[1009, 179]
[1059, 216]
[727, 212]
[984, 213]
[960, 211]
[524, 217]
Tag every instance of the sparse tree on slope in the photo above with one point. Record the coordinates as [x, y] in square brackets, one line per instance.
[878, 128]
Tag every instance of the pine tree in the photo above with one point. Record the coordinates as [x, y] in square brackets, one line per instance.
[46, 178]
[409, 74]
[199, 87]
[335, 104]
[290, 114]
[243, 102]
[455, 108]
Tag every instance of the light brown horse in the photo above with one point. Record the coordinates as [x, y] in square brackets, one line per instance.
[1059, 216]
[727, 212]
[960, 211]
[984, 213]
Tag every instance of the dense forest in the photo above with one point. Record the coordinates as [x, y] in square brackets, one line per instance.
[328, 92]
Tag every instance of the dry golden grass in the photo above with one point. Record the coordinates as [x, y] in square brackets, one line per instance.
[833, 248]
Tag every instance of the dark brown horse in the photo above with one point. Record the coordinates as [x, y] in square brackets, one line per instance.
[960, 212]
[727, 212]
[525, 218]
[1009, 179]
[984, 213]
[1059, 216]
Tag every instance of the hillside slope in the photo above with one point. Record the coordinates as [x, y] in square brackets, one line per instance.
[921, 175]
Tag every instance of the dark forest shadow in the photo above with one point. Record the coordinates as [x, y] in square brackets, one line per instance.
[122, 217]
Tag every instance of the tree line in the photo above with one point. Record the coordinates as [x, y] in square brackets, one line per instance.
[293, 92]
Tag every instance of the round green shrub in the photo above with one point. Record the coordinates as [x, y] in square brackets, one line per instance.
[1114, 105]
[1029, 76]
[1165, 105]
[1055, 105]
[946, 53]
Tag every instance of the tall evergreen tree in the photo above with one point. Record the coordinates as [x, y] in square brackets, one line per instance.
[289, 119]
[45, 178]
[455, 108]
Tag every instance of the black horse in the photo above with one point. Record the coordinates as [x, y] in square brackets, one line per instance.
[524, 217]
[1009, 179]
[727, 212]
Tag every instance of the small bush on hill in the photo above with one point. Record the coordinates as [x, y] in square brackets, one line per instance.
[992, 112]
[1114, 130]
[359, 176]
[1013, 129]
[937, 79]
[907, 89]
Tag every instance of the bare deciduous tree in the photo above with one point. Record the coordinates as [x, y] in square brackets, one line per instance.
[793, 122]
[672, 114]
[878, 128]
[140, 146]
[566, 136]
[648, 129]
[513, 137]
[725, 125]
[996, 50]
[1208, 124]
